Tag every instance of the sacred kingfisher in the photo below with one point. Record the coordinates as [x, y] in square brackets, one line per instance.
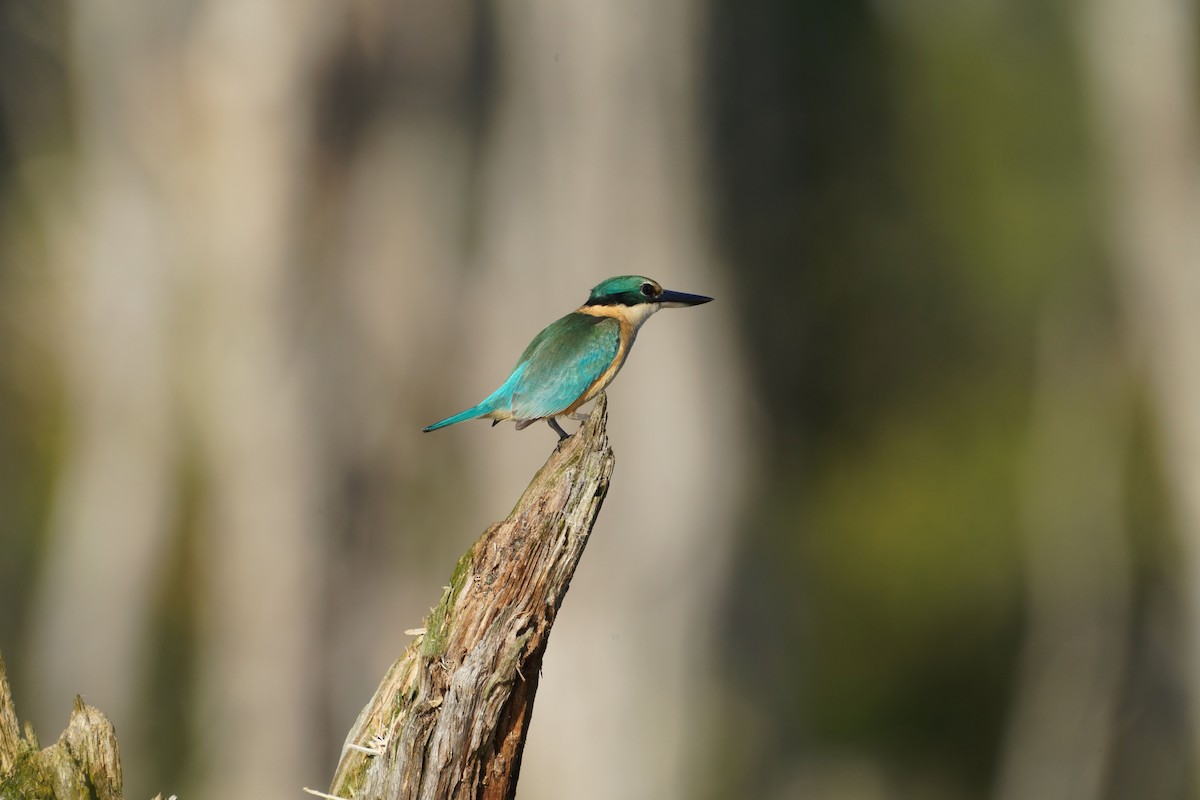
[574, 358]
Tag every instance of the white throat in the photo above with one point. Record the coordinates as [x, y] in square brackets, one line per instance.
[637, 315]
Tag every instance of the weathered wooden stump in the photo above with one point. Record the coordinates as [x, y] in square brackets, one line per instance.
[450, 718]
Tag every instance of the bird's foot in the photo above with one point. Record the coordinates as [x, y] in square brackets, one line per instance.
[562, 435]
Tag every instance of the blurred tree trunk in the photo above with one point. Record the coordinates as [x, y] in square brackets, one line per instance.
[394, 173]
[1061, 726]
[194, 131]
[242, 167]
[591, 169]
[1141, 63]
[114, 267]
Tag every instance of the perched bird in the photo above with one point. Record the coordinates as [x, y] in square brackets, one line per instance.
[574, 358]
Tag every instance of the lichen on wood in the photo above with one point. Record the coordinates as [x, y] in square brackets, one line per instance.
[450, 718]
[84, 764]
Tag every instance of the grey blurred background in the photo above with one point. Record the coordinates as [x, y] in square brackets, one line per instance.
[911, 511]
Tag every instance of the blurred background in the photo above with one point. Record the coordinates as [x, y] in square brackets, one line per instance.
[911, 511]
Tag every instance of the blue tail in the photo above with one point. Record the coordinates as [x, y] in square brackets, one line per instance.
[501, 398]
[462, 416]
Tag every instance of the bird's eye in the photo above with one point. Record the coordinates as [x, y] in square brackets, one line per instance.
[648, 289]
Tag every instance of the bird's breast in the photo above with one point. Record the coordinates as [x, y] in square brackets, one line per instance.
[626, 336]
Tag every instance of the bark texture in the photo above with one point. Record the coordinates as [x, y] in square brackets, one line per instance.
[450, 718]
[83, 764]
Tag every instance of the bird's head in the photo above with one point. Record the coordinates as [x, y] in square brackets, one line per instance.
[634, 290]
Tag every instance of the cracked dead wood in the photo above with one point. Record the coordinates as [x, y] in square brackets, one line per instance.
[83, 764]
[450, 718]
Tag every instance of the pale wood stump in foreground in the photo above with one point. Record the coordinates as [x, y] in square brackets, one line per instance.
[450, 718]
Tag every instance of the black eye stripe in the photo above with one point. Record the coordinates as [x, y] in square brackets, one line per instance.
[627, 297]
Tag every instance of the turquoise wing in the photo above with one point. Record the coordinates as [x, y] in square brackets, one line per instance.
[562, 362]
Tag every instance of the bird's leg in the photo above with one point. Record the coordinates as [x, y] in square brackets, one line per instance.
[557, 428]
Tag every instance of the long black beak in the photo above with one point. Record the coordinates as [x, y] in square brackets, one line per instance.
[669, 299]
